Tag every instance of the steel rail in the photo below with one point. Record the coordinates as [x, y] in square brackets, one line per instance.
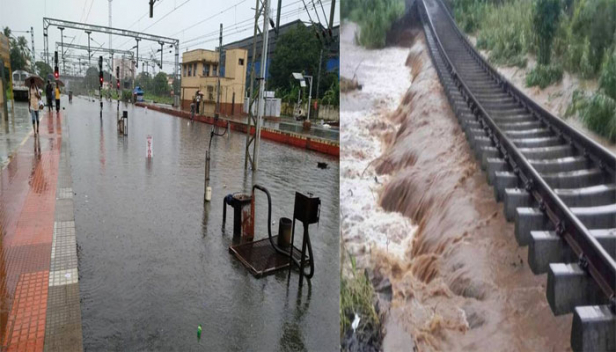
[593, 257]
[596, 152]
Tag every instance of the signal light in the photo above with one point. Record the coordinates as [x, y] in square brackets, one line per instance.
[56, 70]
[118, 84]
[100, 70]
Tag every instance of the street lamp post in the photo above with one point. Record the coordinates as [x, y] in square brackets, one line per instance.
[302, 82]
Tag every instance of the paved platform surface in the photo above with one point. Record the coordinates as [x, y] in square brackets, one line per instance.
[15, 128]
[39, 293]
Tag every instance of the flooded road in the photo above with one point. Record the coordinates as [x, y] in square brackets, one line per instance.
[154, 261]
[461, 283]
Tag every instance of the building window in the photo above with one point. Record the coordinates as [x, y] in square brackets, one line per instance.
[189, 70]
[241, 62]
[206, 70]
[184, 70]
[214, 70]
[210, 93]
[195, 69]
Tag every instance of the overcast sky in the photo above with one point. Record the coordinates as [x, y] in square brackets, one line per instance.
[194, 22]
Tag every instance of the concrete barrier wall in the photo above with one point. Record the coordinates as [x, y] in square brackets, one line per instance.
[297, 140]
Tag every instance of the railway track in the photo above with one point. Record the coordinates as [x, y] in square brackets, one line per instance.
[556, 184]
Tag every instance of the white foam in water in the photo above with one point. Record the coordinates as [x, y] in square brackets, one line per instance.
[364, 224]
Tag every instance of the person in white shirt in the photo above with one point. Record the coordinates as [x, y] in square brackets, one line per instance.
[34, 96]
[198, 101]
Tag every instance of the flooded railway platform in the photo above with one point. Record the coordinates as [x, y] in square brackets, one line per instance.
[153, 259]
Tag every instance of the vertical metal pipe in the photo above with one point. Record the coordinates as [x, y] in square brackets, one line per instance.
[261, 103]
[331, 14]
[278, 15]
[89, 51]
[319, 81]
[137, 58]
[309, 98]
[62, 47]
[177, 80]
[217, 113]
[207, 175]
[252, 79]
[33, 52]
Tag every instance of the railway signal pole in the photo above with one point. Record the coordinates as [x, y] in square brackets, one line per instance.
[100, 79]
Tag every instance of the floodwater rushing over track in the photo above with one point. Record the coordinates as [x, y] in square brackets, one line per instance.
[461, 276]
[556, 184]
[463, 282]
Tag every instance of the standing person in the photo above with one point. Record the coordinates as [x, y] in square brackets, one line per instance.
[192, 109]
[198, 101]
[34, 96]
[57, 97]
[49, 95]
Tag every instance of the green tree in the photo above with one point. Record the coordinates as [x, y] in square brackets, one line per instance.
[42, 69]
[19, 51]
[602, 28]
[545, 23]
[297, 50]
[91, 81]
[144, 80]
[160, 84]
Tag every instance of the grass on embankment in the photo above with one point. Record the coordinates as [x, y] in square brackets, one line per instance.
[598, 112]
[584, 44]
[357, 297]
[374, 17]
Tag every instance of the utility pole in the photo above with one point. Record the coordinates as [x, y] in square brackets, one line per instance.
[62, 50]
[331, 15]
[261, 103]
[110, 65]
[217, 114]
[32, 39]
[318, 81]
[252, 120]
[89, 51]
[137, 59]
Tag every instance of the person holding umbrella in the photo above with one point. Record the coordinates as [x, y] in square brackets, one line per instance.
[49, 95]
[34, 96]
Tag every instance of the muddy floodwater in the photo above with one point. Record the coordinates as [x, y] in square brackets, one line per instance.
[153, 259]
[459, 279]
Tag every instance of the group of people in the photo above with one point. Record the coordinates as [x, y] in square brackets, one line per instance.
[36, 103]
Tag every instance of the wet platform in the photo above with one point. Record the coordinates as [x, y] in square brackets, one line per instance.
[38, 262]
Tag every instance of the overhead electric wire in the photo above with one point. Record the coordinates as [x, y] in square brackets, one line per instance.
[249, 21]
[216, 32]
